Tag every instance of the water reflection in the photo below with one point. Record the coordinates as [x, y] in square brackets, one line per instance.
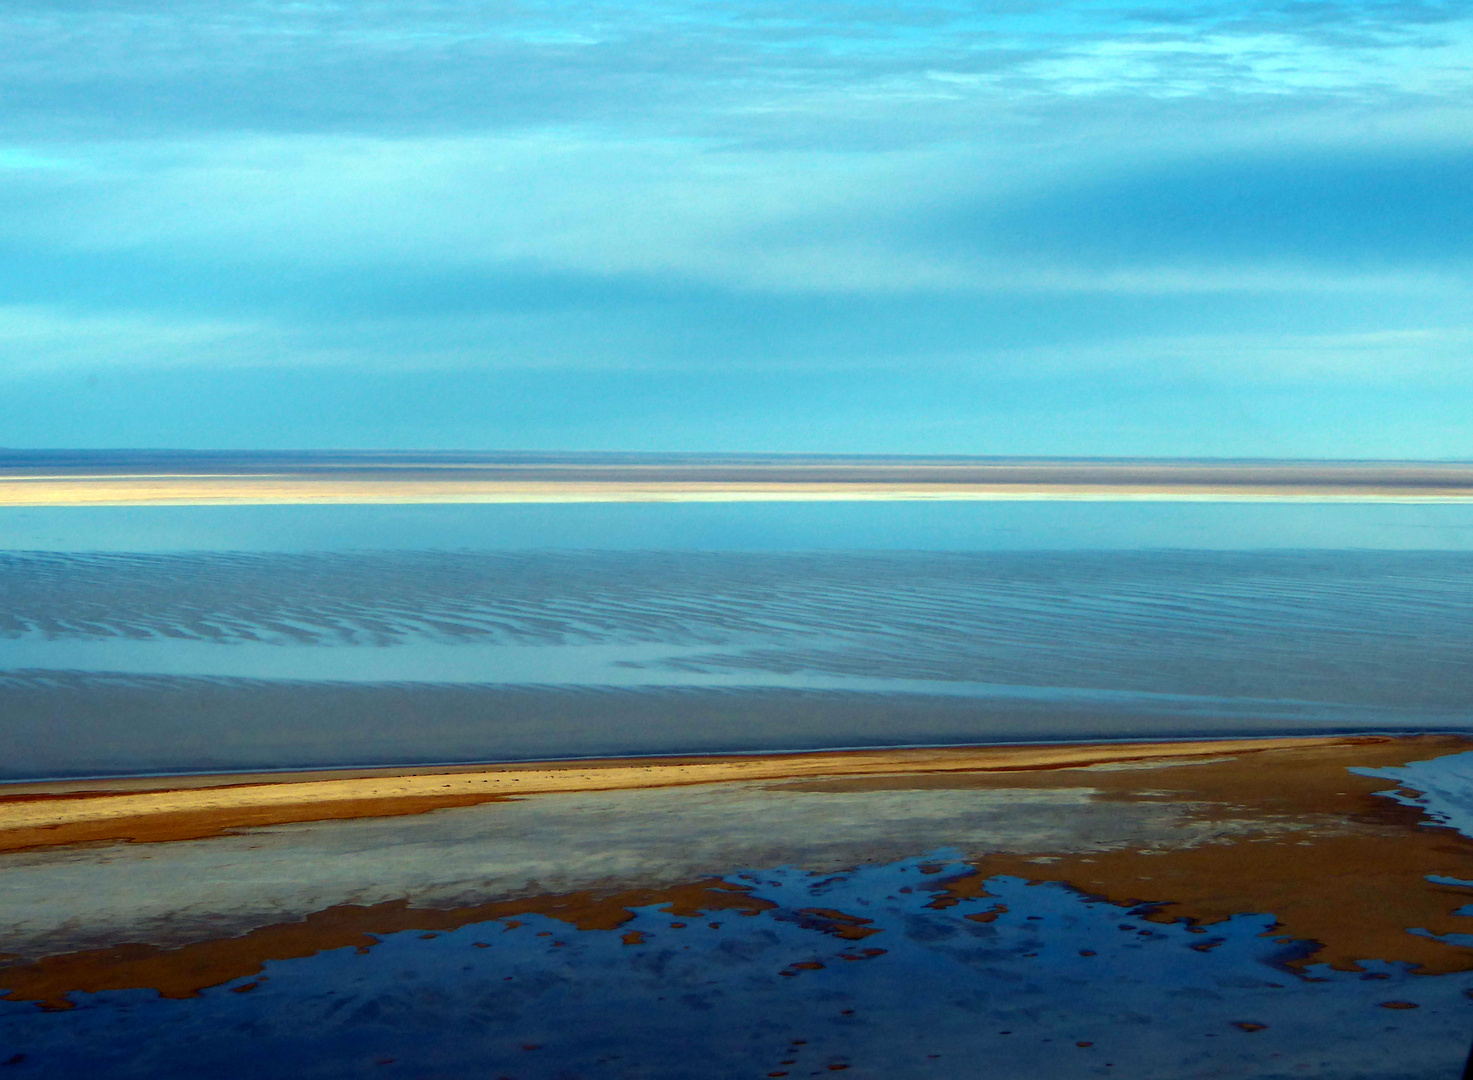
[872, 970]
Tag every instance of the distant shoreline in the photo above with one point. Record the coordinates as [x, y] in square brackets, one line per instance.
[96, 478]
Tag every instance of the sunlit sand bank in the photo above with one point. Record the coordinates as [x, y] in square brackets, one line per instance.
[1208, 831]
[173, 808]
[157, 478]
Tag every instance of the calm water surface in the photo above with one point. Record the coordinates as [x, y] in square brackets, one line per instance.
[147, 639]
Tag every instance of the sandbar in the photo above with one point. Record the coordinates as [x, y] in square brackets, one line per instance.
[145, 809]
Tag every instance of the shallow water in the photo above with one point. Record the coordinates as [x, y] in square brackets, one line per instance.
[1051, 984]
[1442, 788]
[236, 658]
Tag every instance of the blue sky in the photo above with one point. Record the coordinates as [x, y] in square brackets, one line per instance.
[1012, 227]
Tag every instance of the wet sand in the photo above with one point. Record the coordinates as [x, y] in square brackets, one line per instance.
[1199, 831]
[184, 971]
[1206, 831]
[158, 478]
[1334, 862]
[180, 808]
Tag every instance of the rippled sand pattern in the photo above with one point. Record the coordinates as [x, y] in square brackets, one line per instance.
[1355, 628]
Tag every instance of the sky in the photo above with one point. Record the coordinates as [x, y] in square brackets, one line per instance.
[1044, 227]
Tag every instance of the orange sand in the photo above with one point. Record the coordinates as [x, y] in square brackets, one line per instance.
[39, 815]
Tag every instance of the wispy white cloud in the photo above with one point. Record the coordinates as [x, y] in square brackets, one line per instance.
[1248, 193]
[36, 338]
[1424, 357]
[941, 218]
[808, 73]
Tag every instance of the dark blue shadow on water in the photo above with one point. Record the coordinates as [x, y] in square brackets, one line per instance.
[862, 972]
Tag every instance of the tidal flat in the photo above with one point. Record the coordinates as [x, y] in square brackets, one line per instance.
[896, 788]
[1221, 908]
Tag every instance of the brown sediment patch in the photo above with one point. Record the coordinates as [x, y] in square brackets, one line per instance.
[802, 965]
[1317, 848]
[186, 970]
[837, 923]
[990, 915]
[42, 814]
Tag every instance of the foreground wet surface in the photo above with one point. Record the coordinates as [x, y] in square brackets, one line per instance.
[878, 971]
[1260, 915]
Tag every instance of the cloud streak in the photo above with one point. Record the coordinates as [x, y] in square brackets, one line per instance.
[1014, 193]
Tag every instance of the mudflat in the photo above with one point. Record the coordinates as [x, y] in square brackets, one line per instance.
[1195, 834]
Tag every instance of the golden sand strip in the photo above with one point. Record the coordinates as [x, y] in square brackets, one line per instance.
[268, 490]
[31, 811]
